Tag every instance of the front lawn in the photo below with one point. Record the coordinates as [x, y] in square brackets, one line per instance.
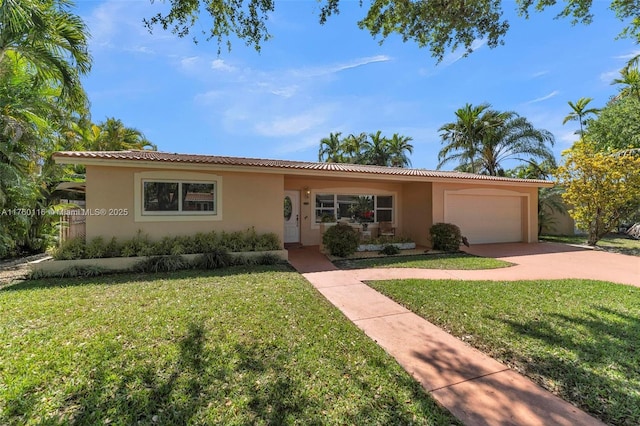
[613, 242]
[425, 261]
[243, 346]
[577, 338]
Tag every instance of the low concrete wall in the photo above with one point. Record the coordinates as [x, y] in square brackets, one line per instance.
[126, 263]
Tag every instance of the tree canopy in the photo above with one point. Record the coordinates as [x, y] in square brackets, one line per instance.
[482, 139]
[373, 149]
[617, 126]
[439, 25]
[602, 189]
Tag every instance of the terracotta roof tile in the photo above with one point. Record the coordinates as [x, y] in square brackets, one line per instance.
[167, 157]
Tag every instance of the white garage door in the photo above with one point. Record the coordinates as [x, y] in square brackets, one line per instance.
[486, 218]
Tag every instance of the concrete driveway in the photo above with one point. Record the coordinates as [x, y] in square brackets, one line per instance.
[539, 261]
[556, 261]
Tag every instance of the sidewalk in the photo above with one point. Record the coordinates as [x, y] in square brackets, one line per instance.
[474, 387]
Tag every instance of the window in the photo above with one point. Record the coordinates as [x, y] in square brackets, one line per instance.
[178, 198]
[358, 208]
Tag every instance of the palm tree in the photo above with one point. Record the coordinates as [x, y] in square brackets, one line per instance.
[399, 146]
[482, 139]
[579, 112]
[50, 38]
[514, 139]
[331, 149]
[354, 148]
[115, 136]
[376, 151]
[463, 136]
[630, 79]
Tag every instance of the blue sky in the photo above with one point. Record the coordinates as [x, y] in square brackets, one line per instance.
[310, 80]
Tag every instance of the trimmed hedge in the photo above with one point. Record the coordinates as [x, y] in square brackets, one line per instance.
[445, 237]
[141, 245]
[341, 240]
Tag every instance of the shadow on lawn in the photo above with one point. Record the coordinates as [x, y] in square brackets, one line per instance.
[612, 346]
[181, 393]
[210, 382]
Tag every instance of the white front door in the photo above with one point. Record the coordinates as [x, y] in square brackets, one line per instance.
[291, 216]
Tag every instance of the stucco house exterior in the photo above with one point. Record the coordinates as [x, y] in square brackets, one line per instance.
[163, 194]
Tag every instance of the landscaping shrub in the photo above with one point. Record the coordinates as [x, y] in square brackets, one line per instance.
[214, 259]
[140, 245]
[267, 242]
[268, 259]
[390, 250]
[70, 272]
[162, 264]
[98, 248]
[341, 240]
[72, 248]
[445, 237]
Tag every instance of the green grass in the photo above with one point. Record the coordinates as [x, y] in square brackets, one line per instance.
[577, 338]
[425, 261]
[612, 242]
[251, 345]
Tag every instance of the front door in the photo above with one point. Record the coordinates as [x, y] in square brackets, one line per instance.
[291, 216]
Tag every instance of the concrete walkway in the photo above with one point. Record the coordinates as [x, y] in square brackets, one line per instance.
[474, 387]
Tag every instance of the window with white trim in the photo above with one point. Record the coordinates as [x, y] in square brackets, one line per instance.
[164, 197]
[358, 208]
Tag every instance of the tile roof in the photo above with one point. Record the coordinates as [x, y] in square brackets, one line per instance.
[175, 158]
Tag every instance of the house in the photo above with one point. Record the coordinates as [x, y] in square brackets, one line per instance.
[164, 193]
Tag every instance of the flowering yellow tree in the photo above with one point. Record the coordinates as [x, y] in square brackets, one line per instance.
[603, 188]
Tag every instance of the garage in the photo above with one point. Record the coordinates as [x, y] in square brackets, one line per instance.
[486, 218]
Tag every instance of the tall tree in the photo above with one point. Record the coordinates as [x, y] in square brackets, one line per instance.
[482, 139]
[602, 188]
[515, 138]
[630, 81]
[440, 26]
[371, 149]
[377, 151]
[463, 136]
[579, 112]
[354, 148]
[50, 38]
[617, 127]
[330, 150]
[399, 147]
[113, 135]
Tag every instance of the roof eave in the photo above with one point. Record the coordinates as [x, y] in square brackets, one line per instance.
[138, 163]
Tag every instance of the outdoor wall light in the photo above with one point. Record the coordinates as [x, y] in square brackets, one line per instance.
[307, 192]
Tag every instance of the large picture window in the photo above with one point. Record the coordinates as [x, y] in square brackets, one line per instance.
[356, 208]
[178, 198]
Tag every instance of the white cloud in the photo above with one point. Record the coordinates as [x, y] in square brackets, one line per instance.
[221, 65]
[335, 68]
[189, 62]
[460, 53]
[539, 74]
[609, 76]
[543, 98]
[568, 138]
[286, 92]
[290, 126]
[140, 49]
[628, 55]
